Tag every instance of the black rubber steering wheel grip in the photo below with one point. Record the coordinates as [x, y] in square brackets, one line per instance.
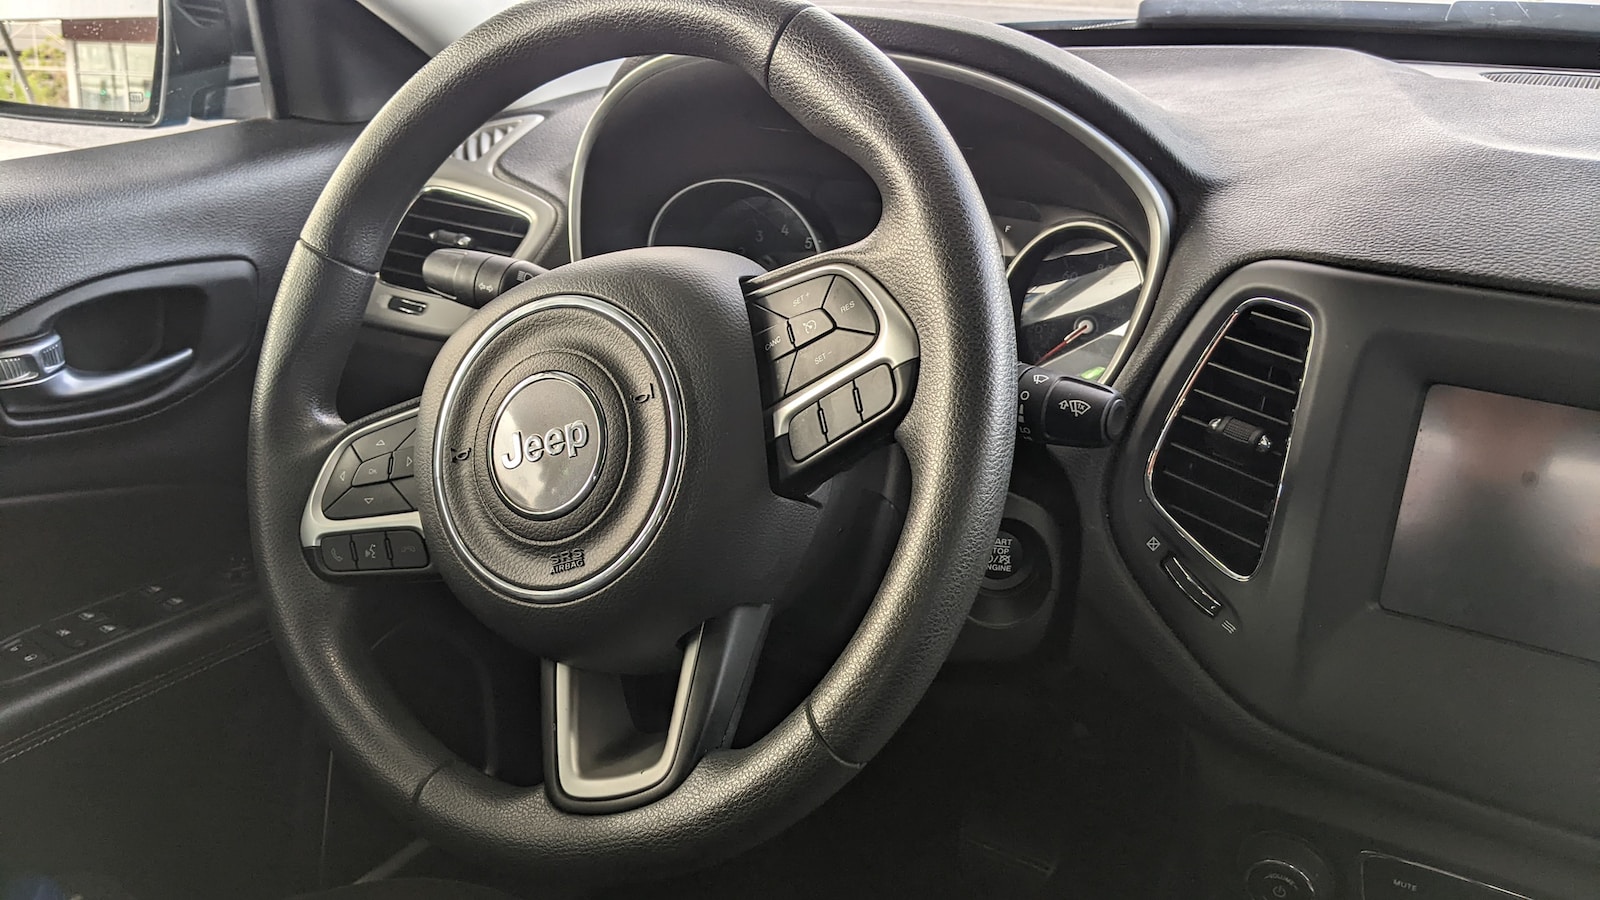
[933, 252]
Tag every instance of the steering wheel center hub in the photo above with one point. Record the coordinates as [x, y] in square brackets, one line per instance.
[596, 459]
[557, 445]
[548, 445]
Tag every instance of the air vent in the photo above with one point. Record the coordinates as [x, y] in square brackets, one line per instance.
[483, 140]
[1546, 79]
[1218, 467]
[447, 219]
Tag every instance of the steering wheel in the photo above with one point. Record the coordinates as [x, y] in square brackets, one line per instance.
[612, 460]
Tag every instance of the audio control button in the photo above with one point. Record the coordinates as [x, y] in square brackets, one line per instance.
[385, 439]
[371, 500]
[340, 479]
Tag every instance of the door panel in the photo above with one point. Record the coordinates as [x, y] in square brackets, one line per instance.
[166, 754]
[124, 346]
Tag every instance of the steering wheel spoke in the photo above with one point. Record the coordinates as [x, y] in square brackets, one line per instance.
[616, 742]
[361, 519]
[837, 358]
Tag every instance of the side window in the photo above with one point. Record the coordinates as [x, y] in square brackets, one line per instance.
[79, 73]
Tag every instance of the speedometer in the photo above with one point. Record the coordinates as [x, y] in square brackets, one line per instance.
[1076, 288]
[740, 217]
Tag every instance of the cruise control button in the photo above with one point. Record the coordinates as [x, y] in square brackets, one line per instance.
[805, 433]
[408, 550]
[825, 355]
[343, 475]
[762, 318]
[371, 551]
[803, 297]
[370, 500]
[839, 415]
[385, 439]
[774, 343]
[808, 327]
[875, 391]
[849, 309]
[337, 554]
[774, 375]
[404, 465]
[373, 471]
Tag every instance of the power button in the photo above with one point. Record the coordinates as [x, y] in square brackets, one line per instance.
[1273, 879]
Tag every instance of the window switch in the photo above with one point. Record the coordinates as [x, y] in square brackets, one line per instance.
[26, 655]
[109, 629]
[70, 636]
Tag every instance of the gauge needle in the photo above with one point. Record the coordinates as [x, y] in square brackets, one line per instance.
[1082, 329]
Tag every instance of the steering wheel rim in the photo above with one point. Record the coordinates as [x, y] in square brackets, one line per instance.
[934, 252]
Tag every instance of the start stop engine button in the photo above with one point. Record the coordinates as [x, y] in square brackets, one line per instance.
[1010, 560]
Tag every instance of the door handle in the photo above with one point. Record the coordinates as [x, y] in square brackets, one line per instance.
[35, 378]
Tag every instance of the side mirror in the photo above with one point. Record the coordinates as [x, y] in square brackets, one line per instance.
[115, 62]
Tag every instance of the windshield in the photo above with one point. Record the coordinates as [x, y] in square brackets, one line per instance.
[1010, 11]
[432, 24]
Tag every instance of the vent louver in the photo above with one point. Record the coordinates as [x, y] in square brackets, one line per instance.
[447, 219]
[484, 139]
[1546, 79]
[1218, 468]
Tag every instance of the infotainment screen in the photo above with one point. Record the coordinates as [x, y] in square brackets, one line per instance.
[1499, 528]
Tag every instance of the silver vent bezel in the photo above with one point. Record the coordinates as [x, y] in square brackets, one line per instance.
[1288, 446]
[439, 190]
[440, 316]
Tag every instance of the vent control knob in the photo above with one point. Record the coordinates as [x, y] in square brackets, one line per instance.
[1233, 434]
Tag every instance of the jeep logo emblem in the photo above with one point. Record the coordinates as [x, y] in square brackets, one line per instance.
[572, 437]
[548, 445]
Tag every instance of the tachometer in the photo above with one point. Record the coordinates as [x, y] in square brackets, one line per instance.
[740, 217]
[1076, 288]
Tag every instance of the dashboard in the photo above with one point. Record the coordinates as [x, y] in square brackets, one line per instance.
[1297, 264]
